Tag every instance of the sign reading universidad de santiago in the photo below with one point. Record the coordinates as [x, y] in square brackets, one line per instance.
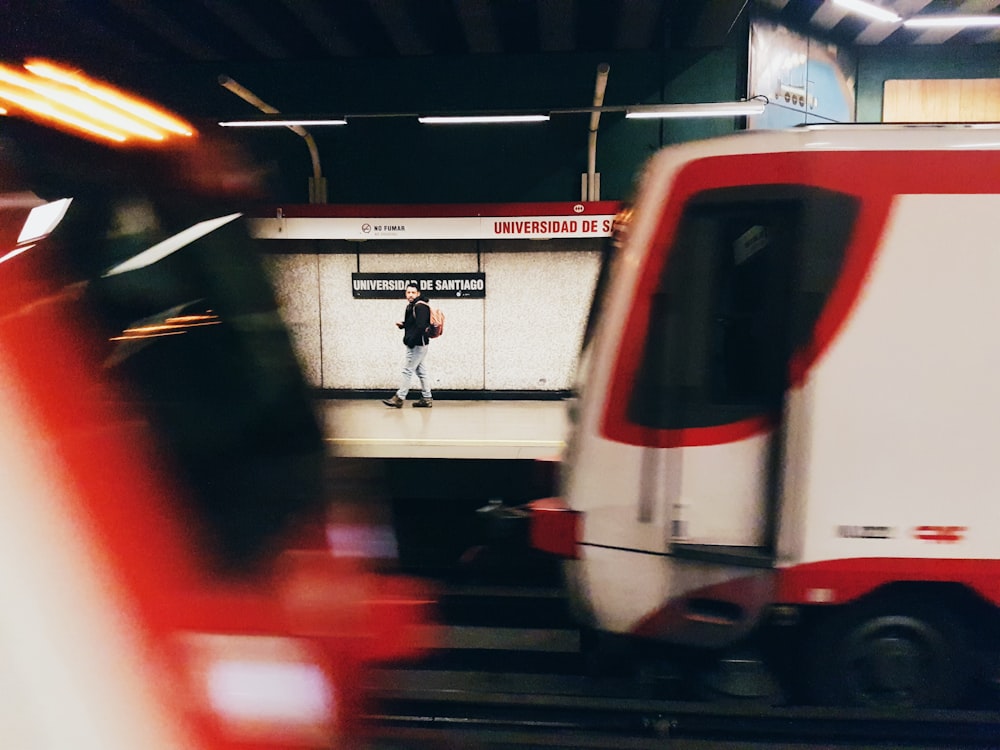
[433, 285]
[497, 221]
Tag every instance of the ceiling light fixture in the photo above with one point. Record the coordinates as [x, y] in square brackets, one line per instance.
[707, 109]
[479, 119]
[869, 10]
[940, 21]
[280, 123]
[754, 106]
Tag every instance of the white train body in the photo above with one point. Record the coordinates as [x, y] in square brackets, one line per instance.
[793, 394]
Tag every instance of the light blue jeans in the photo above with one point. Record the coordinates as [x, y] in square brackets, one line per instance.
[414, 363]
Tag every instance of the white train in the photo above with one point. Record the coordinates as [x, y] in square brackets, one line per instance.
[787, 425]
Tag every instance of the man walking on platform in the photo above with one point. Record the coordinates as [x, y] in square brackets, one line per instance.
[415, 321]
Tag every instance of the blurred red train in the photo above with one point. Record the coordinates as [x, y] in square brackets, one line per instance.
[167, 577]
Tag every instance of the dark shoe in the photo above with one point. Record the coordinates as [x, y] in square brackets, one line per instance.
[424, 402]
[395, 402]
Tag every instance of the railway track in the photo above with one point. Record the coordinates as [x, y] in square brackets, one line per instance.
[508, 671]
[489, 710]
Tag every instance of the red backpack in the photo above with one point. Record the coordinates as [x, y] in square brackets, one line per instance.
[436, 328]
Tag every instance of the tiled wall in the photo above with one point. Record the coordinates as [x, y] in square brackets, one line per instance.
[525, 335]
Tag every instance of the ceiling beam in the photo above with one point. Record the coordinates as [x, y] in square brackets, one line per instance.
[968, 8]
[715, 21]
[167, 29]
[322, 28]
[479, 27]
[248, 27]
[557, 25]
[827, 16]
[398, 24]
[638, 24]
[877, 32]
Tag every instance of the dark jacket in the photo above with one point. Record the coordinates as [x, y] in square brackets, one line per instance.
[415, 322]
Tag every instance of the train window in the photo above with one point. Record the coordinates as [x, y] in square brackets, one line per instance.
[741, 290]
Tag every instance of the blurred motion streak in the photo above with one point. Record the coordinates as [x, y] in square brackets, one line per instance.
[107, 94]
[43, 219]
[71, 99]
[170, 327]
[161, 250]
[14, 253]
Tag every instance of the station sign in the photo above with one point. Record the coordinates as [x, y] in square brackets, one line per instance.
[537, 221]
[434, 285]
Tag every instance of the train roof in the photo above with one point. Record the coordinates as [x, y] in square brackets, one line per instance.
[846, 137]
[852, 137]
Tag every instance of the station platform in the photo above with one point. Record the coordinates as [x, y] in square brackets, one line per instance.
[451, 429]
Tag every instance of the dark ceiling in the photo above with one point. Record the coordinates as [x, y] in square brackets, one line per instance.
[105, 33]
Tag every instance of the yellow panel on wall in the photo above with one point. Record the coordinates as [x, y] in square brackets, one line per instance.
[942, 100]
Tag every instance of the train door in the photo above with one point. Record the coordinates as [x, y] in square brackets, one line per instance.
[743, 281]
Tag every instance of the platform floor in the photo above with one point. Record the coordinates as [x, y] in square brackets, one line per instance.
[451, 429]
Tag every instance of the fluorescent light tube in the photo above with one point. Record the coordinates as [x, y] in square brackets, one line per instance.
[474, 119]
[278, 123]
[708, 109]
[941, 21]
[868, 9]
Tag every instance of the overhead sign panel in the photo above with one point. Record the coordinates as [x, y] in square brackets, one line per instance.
[487, 221]
[426, 228]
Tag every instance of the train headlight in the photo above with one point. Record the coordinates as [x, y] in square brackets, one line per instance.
[264, 690]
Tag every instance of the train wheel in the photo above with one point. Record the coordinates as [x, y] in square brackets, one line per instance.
[893, 652]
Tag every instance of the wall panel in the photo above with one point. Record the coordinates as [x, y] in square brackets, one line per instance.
[296, 280]
[942, 100]
[876, 65]
[535, 316]
[524, 336]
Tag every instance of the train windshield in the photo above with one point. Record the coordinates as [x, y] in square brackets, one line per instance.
[743, 285]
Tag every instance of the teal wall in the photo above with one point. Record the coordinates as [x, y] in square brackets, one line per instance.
[876, 65]
[397, 160]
